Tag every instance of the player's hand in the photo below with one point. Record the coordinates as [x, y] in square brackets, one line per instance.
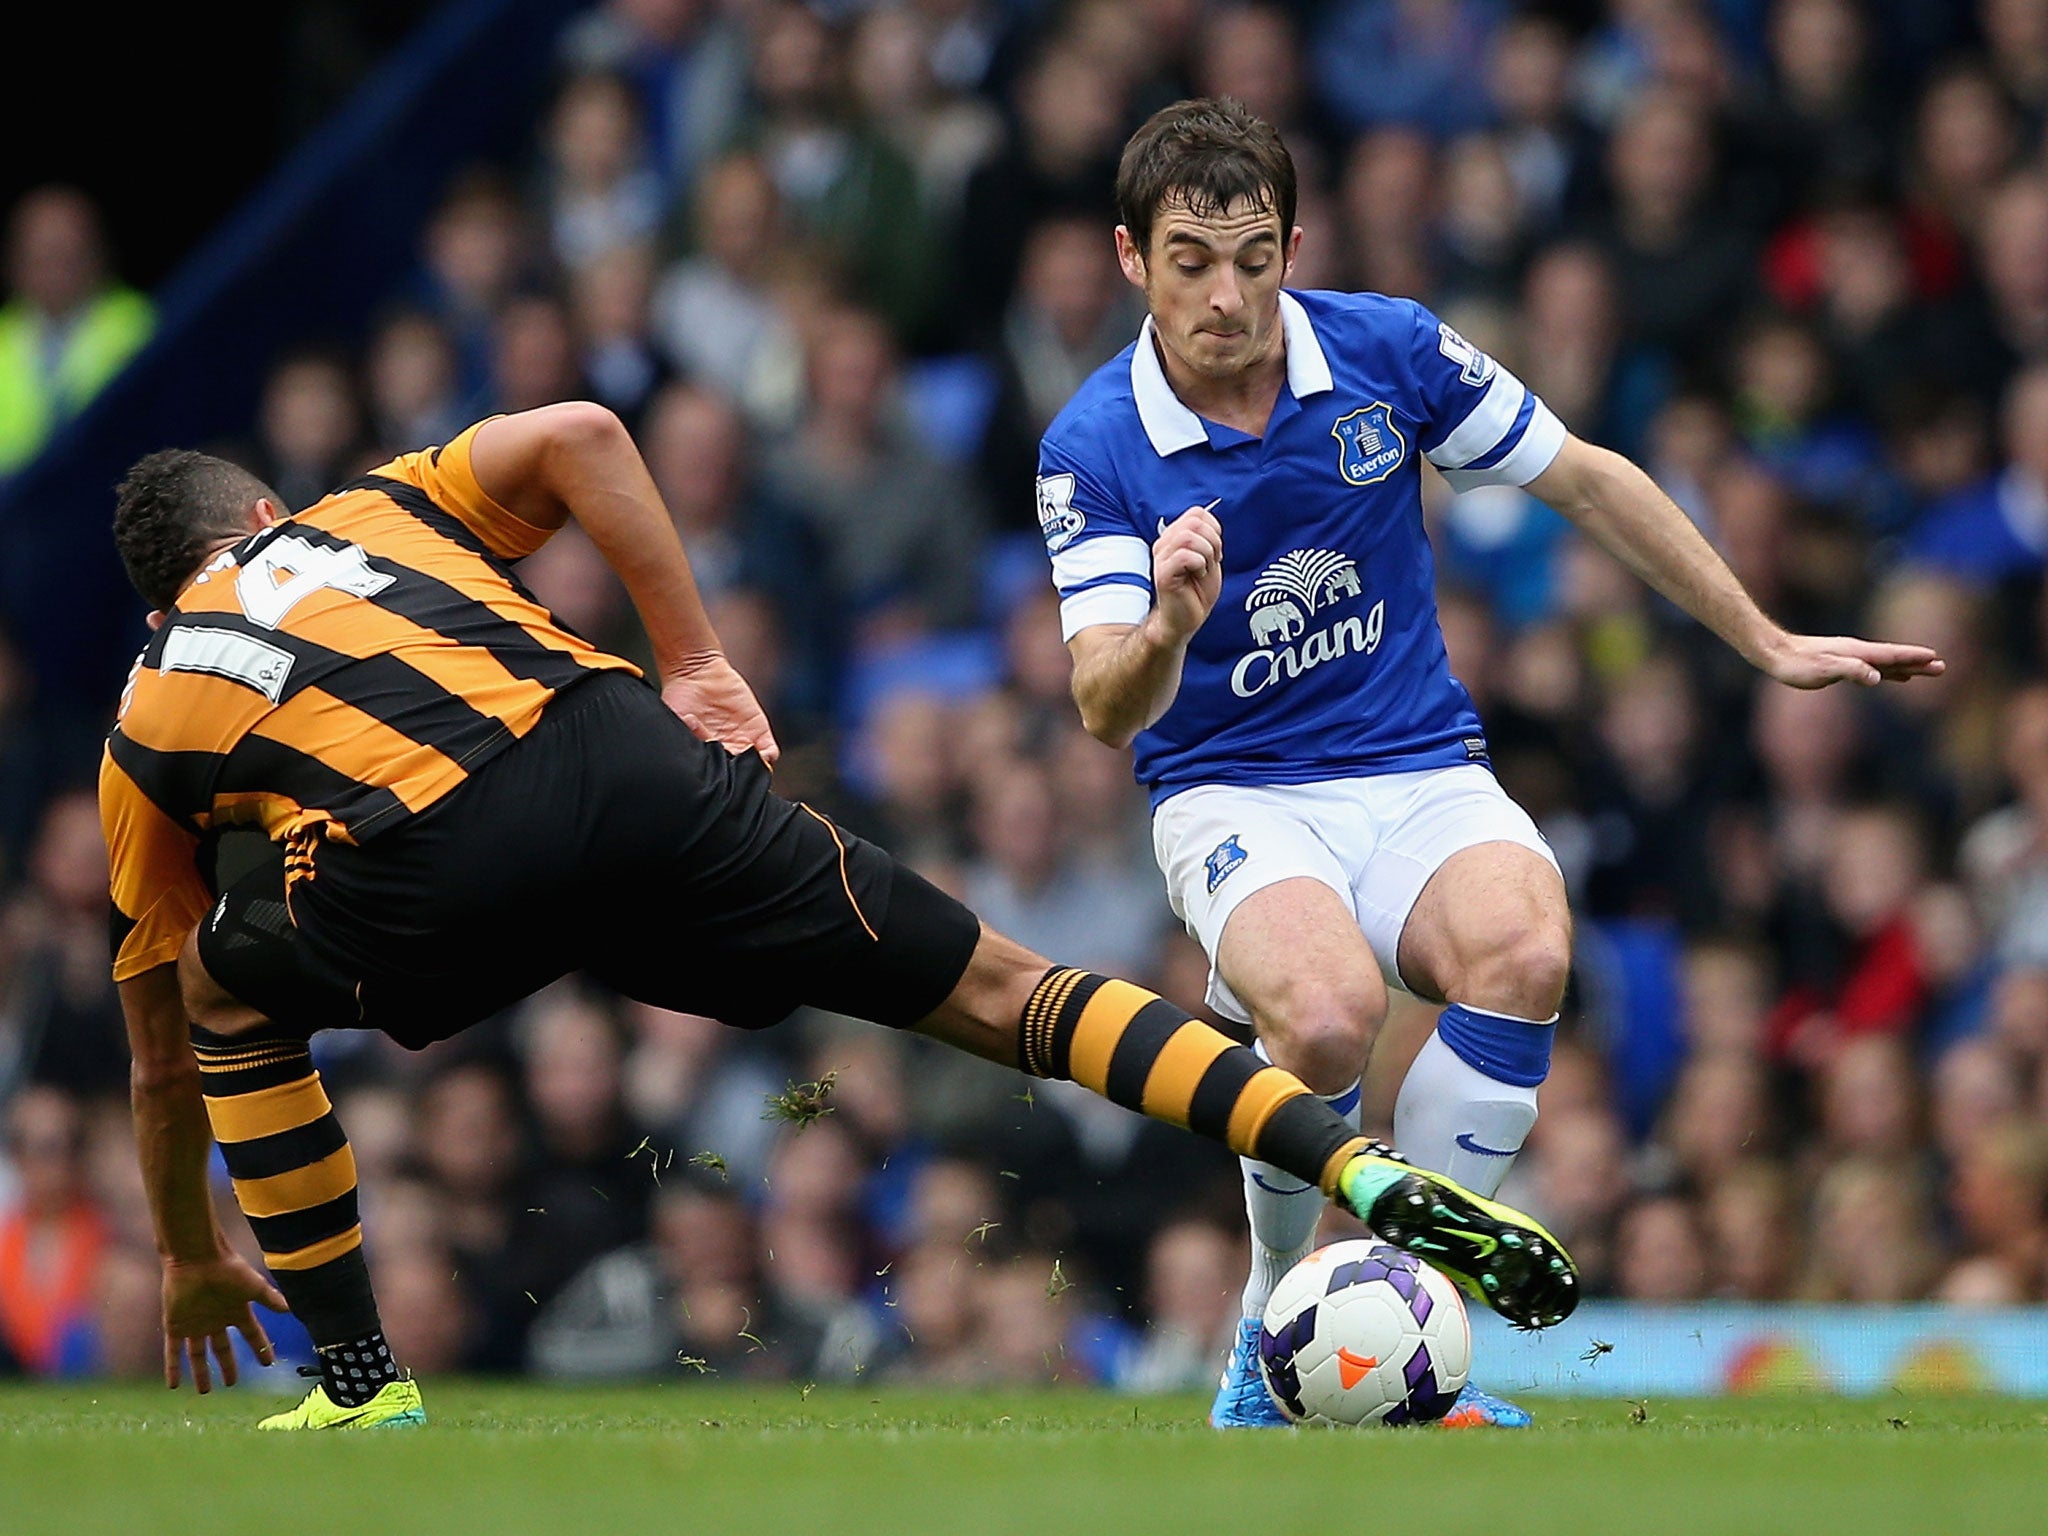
[1187, 571]
[1815, 661]
[713, 700]
[202, 1301]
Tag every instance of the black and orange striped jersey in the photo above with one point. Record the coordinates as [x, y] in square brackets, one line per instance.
[326, 679]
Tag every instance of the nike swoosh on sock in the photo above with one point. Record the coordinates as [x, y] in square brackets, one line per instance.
[1465, 1140]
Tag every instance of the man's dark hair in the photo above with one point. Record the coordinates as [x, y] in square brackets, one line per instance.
[1206, 155]
[173, 508]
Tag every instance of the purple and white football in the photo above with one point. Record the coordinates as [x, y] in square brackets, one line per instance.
[1362, 1333]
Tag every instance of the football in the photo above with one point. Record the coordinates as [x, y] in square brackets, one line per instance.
[1362, 1333]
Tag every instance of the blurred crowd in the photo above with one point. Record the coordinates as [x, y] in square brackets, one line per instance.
[838, 266]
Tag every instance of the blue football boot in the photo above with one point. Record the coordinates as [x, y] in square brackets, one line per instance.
[1242, 1401]
[1475, 1409]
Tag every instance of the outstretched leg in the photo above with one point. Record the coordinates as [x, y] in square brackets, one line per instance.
[1144, 1053]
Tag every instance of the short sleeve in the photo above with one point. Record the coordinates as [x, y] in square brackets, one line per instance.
[159, 895]
[1101, 564]
[1482, 424]
[447, 477]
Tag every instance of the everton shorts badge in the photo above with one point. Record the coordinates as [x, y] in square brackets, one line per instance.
[1223, 860]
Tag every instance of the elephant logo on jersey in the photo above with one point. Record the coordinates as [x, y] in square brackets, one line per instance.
[1369, 446]
[1223, 861]
[1058, 518]
[1315, 577]
[1288, 593]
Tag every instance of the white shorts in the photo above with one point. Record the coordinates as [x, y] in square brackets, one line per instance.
[1374, 841]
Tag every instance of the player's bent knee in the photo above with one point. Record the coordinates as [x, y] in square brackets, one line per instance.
[1322, 1033]
[1524, 972]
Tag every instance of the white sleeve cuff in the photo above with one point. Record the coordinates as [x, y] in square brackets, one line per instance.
[1114, 554]
[1115, 602]
[1531, 456]
[1481, 431]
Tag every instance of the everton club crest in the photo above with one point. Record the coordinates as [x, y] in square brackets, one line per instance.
[1369, 446]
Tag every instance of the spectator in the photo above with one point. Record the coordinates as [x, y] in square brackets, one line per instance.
[686, 62]
[1871, 1235]
[1880, 985]
[310, 437]
[841, 182]
[2018, 34]
[593, 1172]
[1387, 199]
[1660, 1254]
[1025, 884]
[1999, 527]
[1072, 312]
[475, 255]
[410, 378]
[56, 1000]
[1754, 1232]
[1192, 1302]
[944, 133]
[1404, 61]
[68, 326]
[1252, 53]
[617, 348]
[1682, 269]
[599, 190]
[534, 359]
[1552, 152]
[1824, 119]
[53, 1241]
[1061, 157]
[2005, 855]
[716, 313]
[1788, 411]
[899, 530]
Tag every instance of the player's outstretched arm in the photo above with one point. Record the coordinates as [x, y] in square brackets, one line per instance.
[577, 460]
[1622, 510]
[1126, 675]
[207, 1288]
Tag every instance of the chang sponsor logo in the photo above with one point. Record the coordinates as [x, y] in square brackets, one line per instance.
[1288, 594]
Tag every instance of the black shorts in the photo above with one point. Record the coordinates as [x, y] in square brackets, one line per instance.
[612, 841]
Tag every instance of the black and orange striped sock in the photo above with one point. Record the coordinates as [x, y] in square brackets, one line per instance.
[295, 1179]
[1136, 1049]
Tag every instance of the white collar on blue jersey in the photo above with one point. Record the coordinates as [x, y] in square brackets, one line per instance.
[1172, 426]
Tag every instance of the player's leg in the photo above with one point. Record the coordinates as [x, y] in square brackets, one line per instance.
[1466, 906]
[1143, 1052]
[1292, 956]
[293, 1172]
[1269, 901]
[1490, 935]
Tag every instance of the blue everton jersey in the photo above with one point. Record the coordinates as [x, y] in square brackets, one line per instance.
[1322, 658]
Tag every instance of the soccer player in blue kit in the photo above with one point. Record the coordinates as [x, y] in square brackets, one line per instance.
[1234, 514]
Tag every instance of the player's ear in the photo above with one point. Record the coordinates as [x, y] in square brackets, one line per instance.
[155, 620]
[1129, 257]
[267, 512]
[1291, 250]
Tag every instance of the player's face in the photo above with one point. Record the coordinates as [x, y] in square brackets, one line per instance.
[1213, 284]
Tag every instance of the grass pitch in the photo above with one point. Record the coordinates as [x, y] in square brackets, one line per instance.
[703, 1458]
